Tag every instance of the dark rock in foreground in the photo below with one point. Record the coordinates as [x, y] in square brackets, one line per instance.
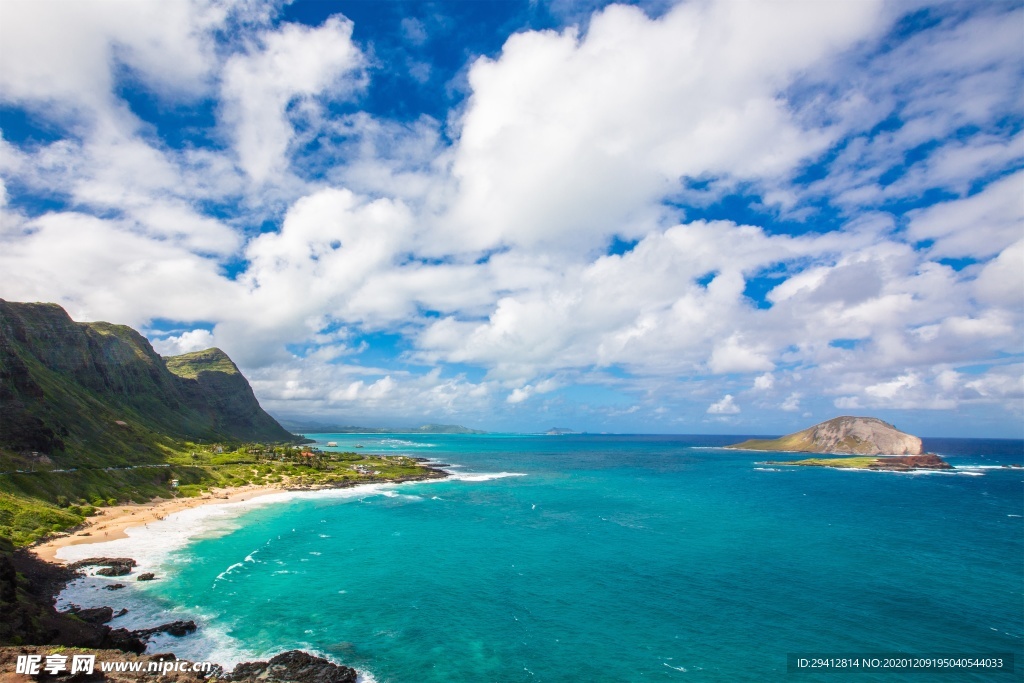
[293, 666]
[147, 576]
[93, 615]
[174, 628]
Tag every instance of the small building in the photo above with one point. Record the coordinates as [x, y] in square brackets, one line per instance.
[174, 483]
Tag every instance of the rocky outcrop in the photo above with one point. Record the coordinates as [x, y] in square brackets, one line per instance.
[904, 463]
[293, 666]
[29, 615]
[147, 576]
[120, 565]
[173, 628]
[93, 615]
[842, 436]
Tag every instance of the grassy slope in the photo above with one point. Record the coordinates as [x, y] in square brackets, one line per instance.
[800, 442]
[189, 365]
[35, 504]
[853, 462]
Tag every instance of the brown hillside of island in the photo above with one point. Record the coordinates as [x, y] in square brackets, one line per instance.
[842, 436]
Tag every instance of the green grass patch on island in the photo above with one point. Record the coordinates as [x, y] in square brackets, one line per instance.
[854, 462]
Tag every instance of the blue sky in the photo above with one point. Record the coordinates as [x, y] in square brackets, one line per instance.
[694, 217]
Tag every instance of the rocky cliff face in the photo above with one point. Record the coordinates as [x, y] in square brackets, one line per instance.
[96, 388]
[843, 436]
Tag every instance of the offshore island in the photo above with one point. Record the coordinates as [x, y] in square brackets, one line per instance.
[864, 442]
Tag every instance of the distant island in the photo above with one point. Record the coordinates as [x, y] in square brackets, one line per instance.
[315, 428]
[877, 445]
[559, 431]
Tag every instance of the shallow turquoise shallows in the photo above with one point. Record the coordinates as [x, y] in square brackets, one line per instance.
[622, 558]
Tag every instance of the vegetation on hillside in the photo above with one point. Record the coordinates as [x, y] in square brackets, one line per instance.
[44, 500]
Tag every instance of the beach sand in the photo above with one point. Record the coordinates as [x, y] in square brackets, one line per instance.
[109, 524]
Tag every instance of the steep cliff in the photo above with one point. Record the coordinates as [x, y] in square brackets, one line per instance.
[97, 393]
[842, 436]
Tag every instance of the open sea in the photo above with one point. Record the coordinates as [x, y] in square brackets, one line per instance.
[598, 558]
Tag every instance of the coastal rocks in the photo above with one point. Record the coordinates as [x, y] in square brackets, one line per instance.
[122, 639]
[119, 570]
[293, 666]
[842, 436]
[112, 566]
[903, 463]
[173, 628]
[146, 576]
[114, 587]
[92, 615]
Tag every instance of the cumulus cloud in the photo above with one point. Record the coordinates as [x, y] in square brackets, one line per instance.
[293, 63]
[568, 138]
[64, 54]
[185, 342]
[726, 406]
[792, 402]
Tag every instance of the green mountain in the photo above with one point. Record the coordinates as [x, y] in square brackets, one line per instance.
[91, 415]
[96, 393]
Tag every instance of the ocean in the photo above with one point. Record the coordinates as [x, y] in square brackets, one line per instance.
[598, 558]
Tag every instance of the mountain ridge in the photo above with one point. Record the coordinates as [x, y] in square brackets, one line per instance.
[98, 392]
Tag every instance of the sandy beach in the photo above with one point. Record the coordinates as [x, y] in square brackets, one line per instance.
[109, 524]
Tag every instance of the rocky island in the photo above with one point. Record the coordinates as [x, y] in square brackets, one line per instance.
[872, 443]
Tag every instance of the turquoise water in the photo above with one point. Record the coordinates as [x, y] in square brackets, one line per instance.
[623, 559]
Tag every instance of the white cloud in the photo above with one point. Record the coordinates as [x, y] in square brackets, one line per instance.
[192, 340]
[931, 106]
[568, 139]
[519, 395]
[792, 402]
[101, 268]
[726, 406]
[64, 54]
[293, 63]
[981, 225]
[414, 31]
[1001, 280]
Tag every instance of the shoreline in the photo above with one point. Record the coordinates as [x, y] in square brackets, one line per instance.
[113, 523]
[116, 525]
